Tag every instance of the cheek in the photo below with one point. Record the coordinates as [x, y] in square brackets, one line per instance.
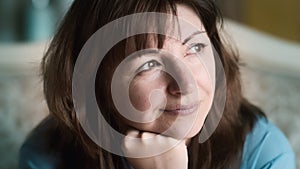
[205, 85]
[139, 96]
[142, 94]
[203, 79]
[203, 70]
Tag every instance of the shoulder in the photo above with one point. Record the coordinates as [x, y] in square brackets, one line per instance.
[267, 147]
[46, 148]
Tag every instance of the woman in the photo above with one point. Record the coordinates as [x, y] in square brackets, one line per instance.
[173, 88]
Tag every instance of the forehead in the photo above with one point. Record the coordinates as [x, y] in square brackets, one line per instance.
[187, 15]
[186, 24]
[177, 27]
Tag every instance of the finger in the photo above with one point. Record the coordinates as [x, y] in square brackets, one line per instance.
[147, 135]
[132, 133]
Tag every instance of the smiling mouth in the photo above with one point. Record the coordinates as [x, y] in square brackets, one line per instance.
[181, 110]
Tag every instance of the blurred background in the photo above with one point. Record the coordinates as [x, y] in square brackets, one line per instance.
[266, 33]
[278, 18]
[30, 20]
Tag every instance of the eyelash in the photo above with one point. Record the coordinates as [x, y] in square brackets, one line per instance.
[147, 67]
[201, 45]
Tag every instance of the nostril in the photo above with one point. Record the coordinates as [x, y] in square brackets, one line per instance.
[183, 87]
[174, 89]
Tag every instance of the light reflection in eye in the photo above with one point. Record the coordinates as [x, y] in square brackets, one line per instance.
[149, 66]
[196, 48]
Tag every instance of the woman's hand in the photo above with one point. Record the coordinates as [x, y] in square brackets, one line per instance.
[149, 151]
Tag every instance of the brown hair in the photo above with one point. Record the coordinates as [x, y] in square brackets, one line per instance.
[222, 150]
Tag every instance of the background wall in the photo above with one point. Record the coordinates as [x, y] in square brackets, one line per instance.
[277, 17]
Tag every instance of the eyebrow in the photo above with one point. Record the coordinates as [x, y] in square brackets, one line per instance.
[138, 55]
[191, 36]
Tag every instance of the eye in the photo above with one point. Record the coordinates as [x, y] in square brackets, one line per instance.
[196, 48]
[149, 66]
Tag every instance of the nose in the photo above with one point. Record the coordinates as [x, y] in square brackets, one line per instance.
[181, 81]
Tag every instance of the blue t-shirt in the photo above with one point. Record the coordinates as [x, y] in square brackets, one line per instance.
[265, 148]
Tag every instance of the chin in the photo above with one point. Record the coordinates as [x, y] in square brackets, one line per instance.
[181, 133]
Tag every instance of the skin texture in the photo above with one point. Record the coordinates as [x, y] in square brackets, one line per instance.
[170, 108]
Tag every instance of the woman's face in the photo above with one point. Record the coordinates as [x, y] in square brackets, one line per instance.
[171, 90]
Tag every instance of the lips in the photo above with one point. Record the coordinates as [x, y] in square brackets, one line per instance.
[181, 109]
